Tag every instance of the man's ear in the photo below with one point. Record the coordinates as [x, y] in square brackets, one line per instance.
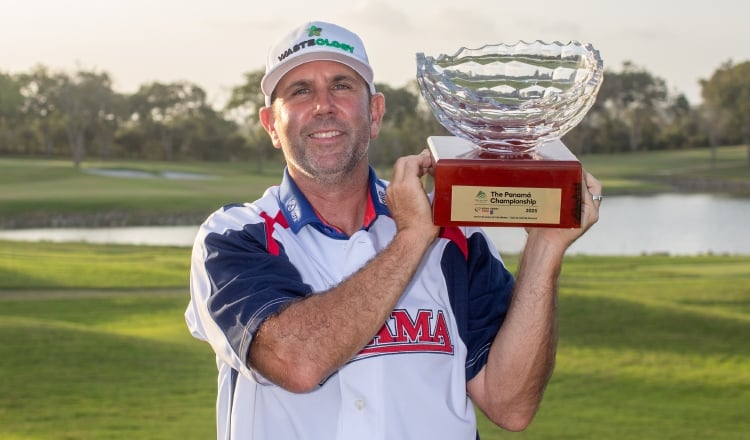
[268, 121]
[377, 110]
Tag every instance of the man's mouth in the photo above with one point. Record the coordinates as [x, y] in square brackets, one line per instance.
[326, 134]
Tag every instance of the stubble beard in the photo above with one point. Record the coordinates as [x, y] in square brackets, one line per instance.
[339, 172]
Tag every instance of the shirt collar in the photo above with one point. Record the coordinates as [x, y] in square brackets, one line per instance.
[299, 213]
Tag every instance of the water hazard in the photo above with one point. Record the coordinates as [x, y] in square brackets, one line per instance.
[672, 224]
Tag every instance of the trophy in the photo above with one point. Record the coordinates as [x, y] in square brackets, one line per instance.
[508, 105]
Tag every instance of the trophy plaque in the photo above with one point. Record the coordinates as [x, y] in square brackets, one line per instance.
[507, 106]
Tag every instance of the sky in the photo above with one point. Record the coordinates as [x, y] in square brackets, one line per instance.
[212, 43]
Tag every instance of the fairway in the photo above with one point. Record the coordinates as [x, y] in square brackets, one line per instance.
[93, 345]
[44, 193]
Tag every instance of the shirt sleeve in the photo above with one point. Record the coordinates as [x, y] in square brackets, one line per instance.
[480, 288]
[236, 283]
[490, 292]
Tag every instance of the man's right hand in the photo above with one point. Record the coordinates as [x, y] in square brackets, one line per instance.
[406, 197]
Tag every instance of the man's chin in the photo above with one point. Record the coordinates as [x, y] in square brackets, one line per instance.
[333, 175]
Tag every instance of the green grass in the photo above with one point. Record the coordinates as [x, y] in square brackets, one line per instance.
[650, 348]
[44, 189]
[665, 171]
[77, 265]
[93, 345]
[118, 366]
[40, 192]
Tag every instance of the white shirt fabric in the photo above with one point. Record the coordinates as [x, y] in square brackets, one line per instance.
[408, 383]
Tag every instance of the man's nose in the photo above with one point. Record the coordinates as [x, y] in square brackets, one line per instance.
[324, 102]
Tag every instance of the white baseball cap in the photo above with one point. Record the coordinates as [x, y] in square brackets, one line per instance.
[315, 41]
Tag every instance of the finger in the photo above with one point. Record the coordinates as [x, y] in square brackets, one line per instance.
[399, 169]
[592, 183]
[593, 188]
[423, 162]
[411, 166]
[428, 162]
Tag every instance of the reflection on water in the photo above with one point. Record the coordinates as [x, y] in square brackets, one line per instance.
[668, 223]
[140, 174]
[143, 235]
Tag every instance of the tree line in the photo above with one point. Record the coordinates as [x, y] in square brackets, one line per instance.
[45, 113]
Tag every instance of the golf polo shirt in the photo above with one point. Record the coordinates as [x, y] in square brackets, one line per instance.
[409, 382]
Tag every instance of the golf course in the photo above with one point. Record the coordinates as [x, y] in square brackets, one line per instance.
[93, 343]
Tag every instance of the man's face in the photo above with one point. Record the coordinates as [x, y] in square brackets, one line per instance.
[322, 120]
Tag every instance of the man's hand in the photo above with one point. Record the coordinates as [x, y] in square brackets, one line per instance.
[563, 238]
[406, 197]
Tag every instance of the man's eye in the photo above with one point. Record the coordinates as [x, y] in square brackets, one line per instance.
[301, 91]
[341, 86]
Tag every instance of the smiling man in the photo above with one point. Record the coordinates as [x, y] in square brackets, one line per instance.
[336, 308]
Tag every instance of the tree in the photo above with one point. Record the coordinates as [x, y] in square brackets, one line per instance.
[714, 122]
[86, 100]
[633, 96]
[247, 99]
[407, 123]
[728, 90]
[245, 102]
[163, 109]
[11, 102]
[206, 135]
[39, 88]
[680, 125]
[393, 140]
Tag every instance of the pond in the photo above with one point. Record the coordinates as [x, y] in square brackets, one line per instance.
[674, 224]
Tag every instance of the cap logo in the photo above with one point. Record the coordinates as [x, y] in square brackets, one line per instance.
[315, 31]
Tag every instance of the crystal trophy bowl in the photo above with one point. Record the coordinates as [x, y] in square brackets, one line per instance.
[511, 98]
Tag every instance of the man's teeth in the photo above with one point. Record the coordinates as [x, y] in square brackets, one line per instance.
[326, 134]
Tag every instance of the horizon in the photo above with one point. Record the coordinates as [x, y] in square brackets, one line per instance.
[213, 45]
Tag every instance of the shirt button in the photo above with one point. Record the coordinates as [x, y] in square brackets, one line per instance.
[359, 404]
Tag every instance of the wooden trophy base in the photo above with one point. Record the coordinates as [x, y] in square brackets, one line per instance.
[474, 188]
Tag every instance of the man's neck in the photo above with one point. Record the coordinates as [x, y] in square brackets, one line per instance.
[342, 205]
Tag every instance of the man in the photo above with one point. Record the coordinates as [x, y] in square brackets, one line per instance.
[336, 309]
